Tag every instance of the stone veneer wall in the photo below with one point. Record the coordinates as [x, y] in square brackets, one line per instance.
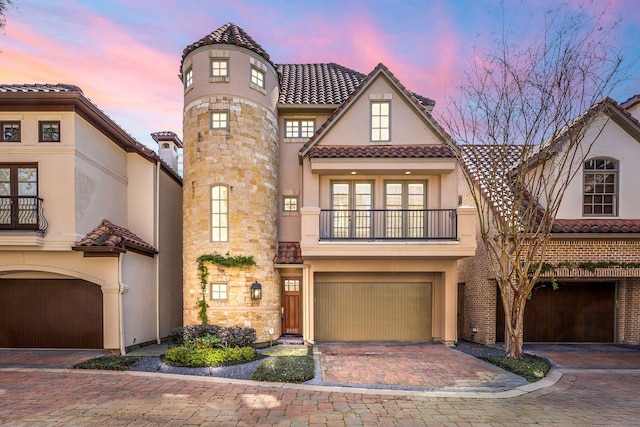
[246, 159]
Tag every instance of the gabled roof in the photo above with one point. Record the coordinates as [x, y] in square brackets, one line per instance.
[380, 151]
[379, 70]
[44, 96]
[108, 239]
[476, 159]
[229, 34]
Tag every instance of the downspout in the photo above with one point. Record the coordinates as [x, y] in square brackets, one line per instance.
[121, 290]
[156, 238]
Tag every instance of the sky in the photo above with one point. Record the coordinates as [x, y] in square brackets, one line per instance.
[125, 54]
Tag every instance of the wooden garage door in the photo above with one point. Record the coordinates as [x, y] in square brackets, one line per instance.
[372, 311]
[50, 313]
[575, 312]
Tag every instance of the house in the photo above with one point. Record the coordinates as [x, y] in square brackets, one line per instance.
[340, 185]
[594, 250]
[90, 226]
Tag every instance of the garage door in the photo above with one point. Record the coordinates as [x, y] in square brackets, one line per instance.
[372, 311]
[575, 312]
[50, 313]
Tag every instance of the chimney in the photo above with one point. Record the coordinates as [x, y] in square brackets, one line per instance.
[168, 145]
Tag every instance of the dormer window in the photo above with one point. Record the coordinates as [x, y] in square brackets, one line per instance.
[600, 187]
[257, 77]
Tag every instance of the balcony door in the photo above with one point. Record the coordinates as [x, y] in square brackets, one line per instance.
[405, 204]
[351, 202]
[18, 196]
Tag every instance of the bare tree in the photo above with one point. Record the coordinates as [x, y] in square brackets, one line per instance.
[4, 4]
[523, 125]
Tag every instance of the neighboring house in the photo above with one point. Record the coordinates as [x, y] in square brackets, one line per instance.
[90, 227]
[339, 184]
[594, 248]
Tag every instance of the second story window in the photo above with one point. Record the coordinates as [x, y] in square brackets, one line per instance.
[10, 131]
[219, 120]
[219, 67]
[380, 121]
[188, 78]
[299, 128]
[49, 131]
[290, 204]
[257, 77]
[600, 187]
[19, 201]
[219, 213]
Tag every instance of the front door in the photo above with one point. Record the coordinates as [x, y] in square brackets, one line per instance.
[291, 307]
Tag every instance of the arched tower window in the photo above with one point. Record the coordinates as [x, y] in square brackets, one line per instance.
[219, 213]
[600, 196]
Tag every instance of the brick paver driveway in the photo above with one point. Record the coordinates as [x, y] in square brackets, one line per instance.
[41, 397]
[601, 394]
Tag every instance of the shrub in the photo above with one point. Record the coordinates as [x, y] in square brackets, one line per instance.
[233, 336]
[196, 357]
[290, 369]
[207, 341]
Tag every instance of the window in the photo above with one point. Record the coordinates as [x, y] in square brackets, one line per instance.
[188, 78]
[290, 204]
[257, 77]
[219, 213]
[404, 209]
[600, 187]
[19, 196]
[292, 285]
[218, 291]
[10, 131]
[380, 121]
[351, 203]
[49, 131]
[219, 67]
[219, 120]
[299, 128]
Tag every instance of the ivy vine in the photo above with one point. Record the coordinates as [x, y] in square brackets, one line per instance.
[203, 274]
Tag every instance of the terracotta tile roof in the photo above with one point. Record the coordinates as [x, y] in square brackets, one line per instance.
[36, 87]
[380, 151]
[229, 34]
[316, 83]
[612, 225]
[288, 253]
[328, 83]
[108, 237]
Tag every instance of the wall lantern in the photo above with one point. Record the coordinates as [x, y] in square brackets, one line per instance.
[256, 291]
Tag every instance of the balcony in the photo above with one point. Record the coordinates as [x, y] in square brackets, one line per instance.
[388, 234]
[22, 213]
[382, 224]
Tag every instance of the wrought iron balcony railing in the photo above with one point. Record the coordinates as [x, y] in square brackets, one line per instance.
[22, 213]
[382, 224]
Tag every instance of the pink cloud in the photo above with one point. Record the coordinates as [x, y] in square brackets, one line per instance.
[116, 71]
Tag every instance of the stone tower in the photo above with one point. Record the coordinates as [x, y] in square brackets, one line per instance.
[230, 133]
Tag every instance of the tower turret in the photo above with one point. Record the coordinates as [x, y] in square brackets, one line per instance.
[230, 133]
